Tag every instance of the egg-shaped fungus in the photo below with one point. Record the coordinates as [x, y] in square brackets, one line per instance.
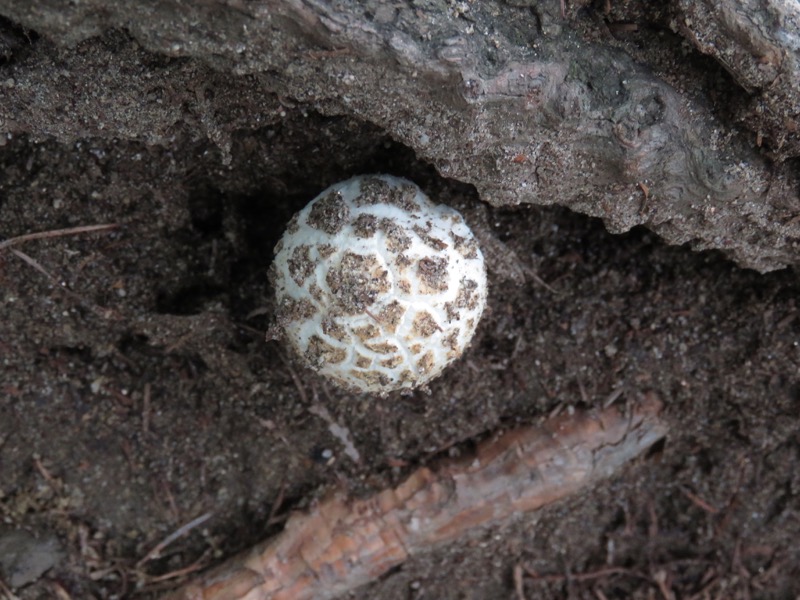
[376, 287]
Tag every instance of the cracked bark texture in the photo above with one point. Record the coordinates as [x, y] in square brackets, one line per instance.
[758, 43]
[508, 98]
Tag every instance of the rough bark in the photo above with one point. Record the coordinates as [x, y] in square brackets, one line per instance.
[758, 43]
[503, 97]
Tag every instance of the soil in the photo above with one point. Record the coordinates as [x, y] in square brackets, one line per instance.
[138, 393]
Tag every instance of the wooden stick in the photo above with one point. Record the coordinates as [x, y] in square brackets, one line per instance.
[41, 235]
[340, 544]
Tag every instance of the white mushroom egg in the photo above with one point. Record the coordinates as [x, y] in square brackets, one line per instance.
[377, 288]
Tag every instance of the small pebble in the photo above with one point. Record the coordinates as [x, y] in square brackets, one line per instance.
[24, 558]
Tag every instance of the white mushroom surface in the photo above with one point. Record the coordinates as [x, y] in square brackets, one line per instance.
[377, 287]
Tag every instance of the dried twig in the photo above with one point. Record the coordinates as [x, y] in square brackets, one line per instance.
[146, 409]
[181, 531]
[40, 235]
[276, 506]
[340, 544]
[99, 310]
[301, 391]
[35, 264]
[598, 574]
[697, 500]
[55, 483]
[195, 566]
[338, 431]
[519, 585]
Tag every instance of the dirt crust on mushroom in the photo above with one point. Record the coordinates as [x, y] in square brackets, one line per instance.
[377, 287]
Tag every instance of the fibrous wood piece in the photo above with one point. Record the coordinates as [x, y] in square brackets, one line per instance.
[340, 544]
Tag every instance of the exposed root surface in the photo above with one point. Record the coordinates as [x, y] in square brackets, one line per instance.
[341, 544]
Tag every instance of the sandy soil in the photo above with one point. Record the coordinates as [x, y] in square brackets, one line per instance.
[138, 392]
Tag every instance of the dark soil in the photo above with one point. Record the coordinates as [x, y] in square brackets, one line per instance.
[137, 391]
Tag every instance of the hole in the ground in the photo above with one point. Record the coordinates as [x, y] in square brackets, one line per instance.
[190, 298]
[206, 206]
[15, 40]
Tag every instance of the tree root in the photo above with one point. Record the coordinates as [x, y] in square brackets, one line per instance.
[341, 544]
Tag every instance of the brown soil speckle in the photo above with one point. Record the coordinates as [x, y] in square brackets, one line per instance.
[376, 191]
[427, 238]
[468, 248]
[425, 363]
[356, 282]
[432, 273]
[333, 329]
[367, 332]
[329, 214]
[397, 240]
[301, 266]
[391, 315]
[321, 352]
[425, 325]
[365, 226]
